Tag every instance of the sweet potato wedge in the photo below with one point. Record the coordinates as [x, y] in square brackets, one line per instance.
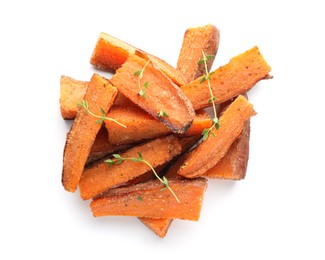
[110, 53]
[142, 126]
[71, 92]
[210, 151]
[100, 177]
[149, 200]
[100, 95]
[230, 80]
[161, 93]
[233, 165]
[196, 40]
[159, 226]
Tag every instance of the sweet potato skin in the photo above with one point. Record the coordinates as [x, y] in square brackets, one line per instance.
[210, 151]
[161, 94]
[230, 80]
[149, 200]
[71, 93]
[110, 53]
[100, 94]
[196, 40]
[100, 177]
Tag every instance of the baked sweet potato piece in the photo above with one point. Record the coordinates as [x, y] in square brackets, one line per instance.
[110, 53]
[101, 177]
[198, 39]
[230, 80]
[210, 151]
[142, 126]
[72, 92]
[100, 96]
[149, 200]
[233, 165]
[159, 226]
[161, 94]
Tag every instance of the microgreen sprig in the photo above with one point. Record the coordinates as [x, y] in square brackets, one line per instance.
[162, 113]
[139, 74]
[207, 77]
[118, 159]
[102, 117]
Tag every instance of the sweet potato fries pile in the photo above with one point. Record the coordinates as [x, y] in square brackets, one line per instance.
[142, 143]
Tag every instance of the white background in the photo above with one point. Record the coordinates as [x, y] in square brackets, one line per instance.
[277, 212]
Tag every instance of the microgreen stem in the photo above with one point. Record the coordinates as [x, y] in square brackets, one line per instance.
[215, 121]
[103, 117]
[209, 84]
[139, 73]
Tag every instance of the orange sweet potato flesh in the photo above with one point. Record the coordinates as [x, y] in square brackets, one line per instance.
[233, 165]
[110, 53]
[142, 126]
[100, 94]
[230, 80]
[149, 200]
[210, 151]
[100, 177]
[72, 92]
[161, 95]
[196, 40]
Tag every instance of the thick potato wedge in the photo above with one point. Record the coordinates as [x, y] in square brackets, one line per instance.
[100, 95]
[100, 177]
[161, 94]
[230, 80]
[111, 53]
[210, 151]
[149, 200]
[142, 126]
[198, 39]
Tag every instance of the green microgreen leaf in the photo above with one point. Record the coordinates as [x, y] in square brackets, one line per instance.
[117, 156]
[103, 111]
[201, 61]
[99, 121]
[139, 198]
[110, 162]
[146, 84]
[204, 78]
[142, 93]
[137, 73]
[165, 181]
[162, 114]
[209, 57]
[205, 136]
[212, 99]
